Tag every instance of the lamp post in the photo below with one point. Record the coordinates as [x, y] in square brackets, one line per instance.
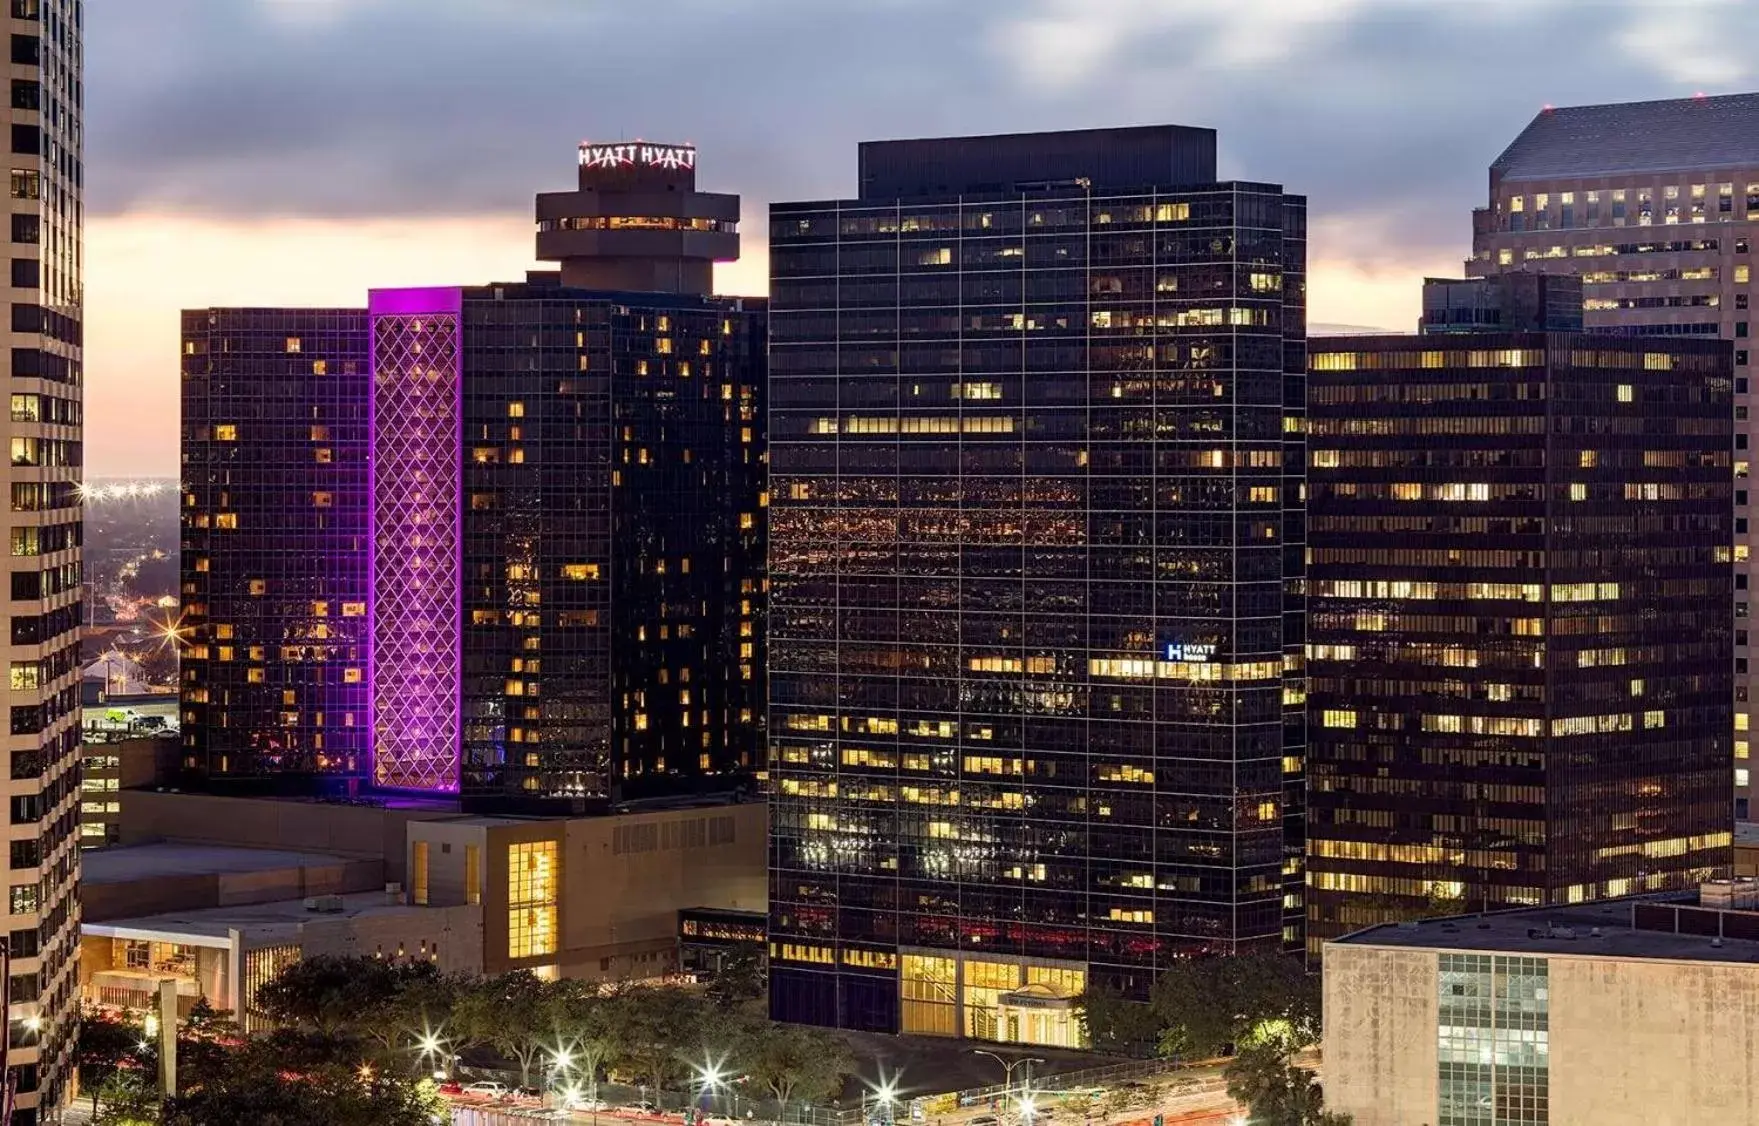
[1008, 1066]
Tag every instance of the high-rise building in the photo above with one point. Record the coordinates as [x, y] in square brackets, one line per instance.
[568, 543]
[274, 581]
[1035, 699]
[1656, 206]
[42, 921]
[504, 542]
[1518, 650]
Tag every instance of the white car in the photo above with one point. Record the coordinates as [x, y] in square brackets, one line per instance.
[486, 1089]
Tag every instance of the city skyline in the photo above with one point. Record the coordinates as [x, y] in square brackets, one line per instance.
[1391, 177]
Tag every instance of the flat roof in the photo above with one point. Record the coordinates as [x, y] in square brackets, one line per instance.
[161, 860]
[259, 924]
[1568, 931]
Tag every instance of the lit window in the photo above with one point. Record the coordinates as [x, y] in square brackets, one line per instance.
[292, 344]
[225, 432]
[532, 886]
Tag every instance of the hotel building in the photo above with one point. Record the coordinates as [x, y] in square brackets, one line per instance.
[503, 543]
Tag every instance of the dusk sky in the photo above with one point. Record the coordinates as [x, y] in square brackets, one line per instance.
[264, 152]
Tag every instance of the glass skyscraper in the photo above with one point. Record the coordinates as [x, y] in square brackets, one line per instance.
[503, 543]
[274, 545]
[47, 177]
[1520, 656]
[1036, 432]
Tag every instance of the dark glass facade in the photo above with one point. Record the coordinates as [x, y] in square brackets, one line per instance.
[1035, 697]
[274, 546]
[599, 615]
[1520, 652]
[613, 543]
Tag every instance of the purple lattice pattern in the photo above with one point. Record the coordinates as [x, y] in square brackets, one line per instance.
[416, 466]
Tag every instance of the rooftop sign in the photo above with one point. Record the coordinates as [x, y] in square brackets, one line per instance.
[638, 154]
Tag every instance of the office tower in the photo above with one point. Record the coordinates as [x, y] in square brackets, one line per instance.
[1519, 653]
[510, 537]
[1035, 709]
[274, 582]
[1655, 205]
[1518, 301]
[42, 921]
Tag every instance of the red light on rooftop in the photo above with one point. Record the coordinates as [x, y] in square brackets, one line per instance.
[1546, 108]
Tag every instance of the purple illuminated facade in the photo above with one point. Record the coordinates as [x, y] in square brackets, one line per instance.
[415, 593]
[503, 542]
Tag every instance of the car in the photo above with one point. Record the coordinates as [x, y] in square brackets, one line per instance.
[486, 1089]
[645, 1106]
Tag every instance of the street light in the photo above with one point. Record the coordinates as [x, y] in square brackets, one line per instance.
[885, 1099]
[1008, 1067]
[709, 1078]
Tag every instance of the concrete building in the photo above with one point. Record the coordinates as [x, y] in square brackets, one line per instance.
[42, 358]
[266, 882]
[595, 898]
[1655, 205]
[220, 921]
[1617, 1014]
[112, 769]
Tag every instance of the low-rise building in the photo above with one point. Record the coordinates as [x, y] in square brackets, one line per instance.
[592, 897]
[600, 898]
[1623, 1013]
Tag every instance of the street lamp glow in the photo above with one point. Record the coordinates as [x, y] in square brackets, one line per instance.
[563, 1057]
[429, 1044]
[711, 1074]
[887, 1092]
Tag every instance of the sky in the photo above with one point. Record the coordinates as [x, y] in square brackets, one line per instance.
[272, 152]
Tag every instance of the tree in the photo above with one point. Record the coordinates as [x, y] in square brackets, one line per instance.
[128, 1098]
[516, 1014]
[662, 1027]
[1205, 1004]
[1263, 1077]
[792, 1062]
[329, 995]
[257, 1087]
[740, 977]
[107, 1047]
[1114, 1024]
[588, 1026]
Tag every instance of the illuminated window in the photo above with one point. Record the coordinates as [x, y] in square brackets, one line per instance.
[319, 367]
[1626, 393]
[473, 860]
[292, 345]
[418, 874]
[1337, 717]
[226, 432]
[515, 410]
[532, 886]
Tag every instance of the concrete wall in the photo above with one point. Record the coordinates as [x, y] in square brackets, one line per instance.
[133, 898]
[350, 830]
[456, 932]
[1382, 1008]
[1634, 1043]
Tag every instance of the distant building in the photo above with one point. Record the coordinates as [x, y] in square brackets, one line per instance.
[1519, 665]
[503, 542]
[1655, 206]
[1513, 302]
[1621, 1013]
[1036, 718]
[110, 769]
